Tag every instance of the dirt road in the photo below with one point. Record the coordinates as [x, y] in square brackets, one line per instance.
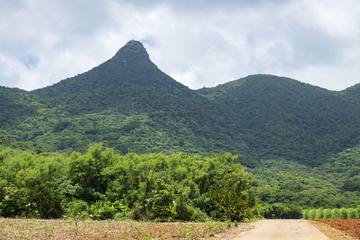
[282, 230]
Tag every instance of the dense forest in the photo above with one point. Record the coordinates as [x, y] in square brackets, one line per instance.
[297, 146]
[130, 105]
[101, 184]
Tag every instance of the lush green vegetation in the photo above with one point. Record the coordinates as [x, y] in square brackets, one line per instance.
[280, 117]
[300, 142]
[285, 188]
[101, 184]
[15, 105]
[298, 185]
[334, 213]
[130, 105]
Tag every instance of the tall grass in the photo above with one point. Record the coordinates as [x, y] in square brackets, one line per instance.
[335, 213]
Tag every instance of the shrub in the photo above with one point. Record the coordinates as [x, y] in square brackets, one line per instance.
[336, 213]
[319, 213]
[121, 210]
[280, 210]
[327, 213]
[15, 203]
[102, 210]
[77, 209]
[353, 213]
[312, 214]
[306, 214]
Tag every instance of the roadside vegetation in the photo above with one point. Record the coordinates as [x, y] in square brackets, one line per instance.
[335, 213]
[285, 188]
[102, 184]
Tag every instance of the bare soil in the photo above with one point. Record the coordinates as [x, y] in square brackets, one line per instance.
[349, 227]
[332, 233]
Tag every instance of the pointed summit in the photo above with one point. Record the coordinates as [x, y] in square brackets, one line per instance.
[133, 51]
[129, 81]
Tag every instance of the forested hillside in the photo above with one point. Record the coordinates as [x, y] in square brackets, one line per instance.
[129, 104]
[300, 141]
[15, 106]
[278, 116]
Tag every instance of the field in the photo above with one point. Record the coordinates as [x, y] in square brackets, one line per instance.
[352, 227]
[335, 213]
[69, 230]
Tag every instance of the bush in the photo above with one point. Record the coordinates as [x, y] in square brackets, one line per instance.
[121, 210]
[327, 213]
[284, 211]
[102, 210]
[319, 213]
[336, 213]
[77, 209]
[15, 203]
[353, 214]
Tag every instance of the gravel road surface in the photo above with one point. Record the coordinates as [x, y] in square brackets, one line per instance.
[282, 230]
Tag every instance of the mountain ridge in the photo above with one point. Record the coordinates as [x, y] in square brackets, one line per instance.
[128, 103]
[134, 46]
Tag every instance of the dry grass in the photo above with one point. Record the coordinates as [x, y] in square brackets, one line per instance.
[21, 229]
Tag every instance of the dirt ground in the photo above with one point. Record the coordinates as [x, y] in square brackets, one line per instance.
[349, 228]
[332, 233]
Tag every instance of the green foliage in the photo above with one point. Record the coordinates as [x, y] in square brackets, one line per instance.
[336, 213]
[102, 210]
[33, 184]
[228, 199]
[279, 117]
[130, 105]
[282, 181]
[15, 106]
[101, 184]
[281, 210]
[86, 171]
[77, 209]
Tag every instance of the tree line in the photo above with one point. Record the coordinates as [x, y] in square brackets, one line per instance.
[103, 184]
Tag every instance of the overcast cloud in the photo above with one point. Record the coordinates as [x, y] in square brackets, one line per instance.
[199, 43]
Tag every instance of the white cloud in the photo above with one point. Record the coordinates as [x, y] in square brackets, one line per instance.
[199, 43]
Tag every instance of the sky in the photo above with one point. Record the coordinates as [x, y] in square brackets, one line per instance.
[200, 43]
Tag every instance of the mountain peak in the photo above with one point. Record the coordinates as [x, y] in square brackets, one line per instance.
[132, 51]
[135, 44]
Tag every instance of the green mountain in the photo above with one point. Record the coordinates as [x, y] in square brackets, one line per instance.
[130, 105]
[127, 83]
[278, 116]
[352, 93]
[15, 106]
